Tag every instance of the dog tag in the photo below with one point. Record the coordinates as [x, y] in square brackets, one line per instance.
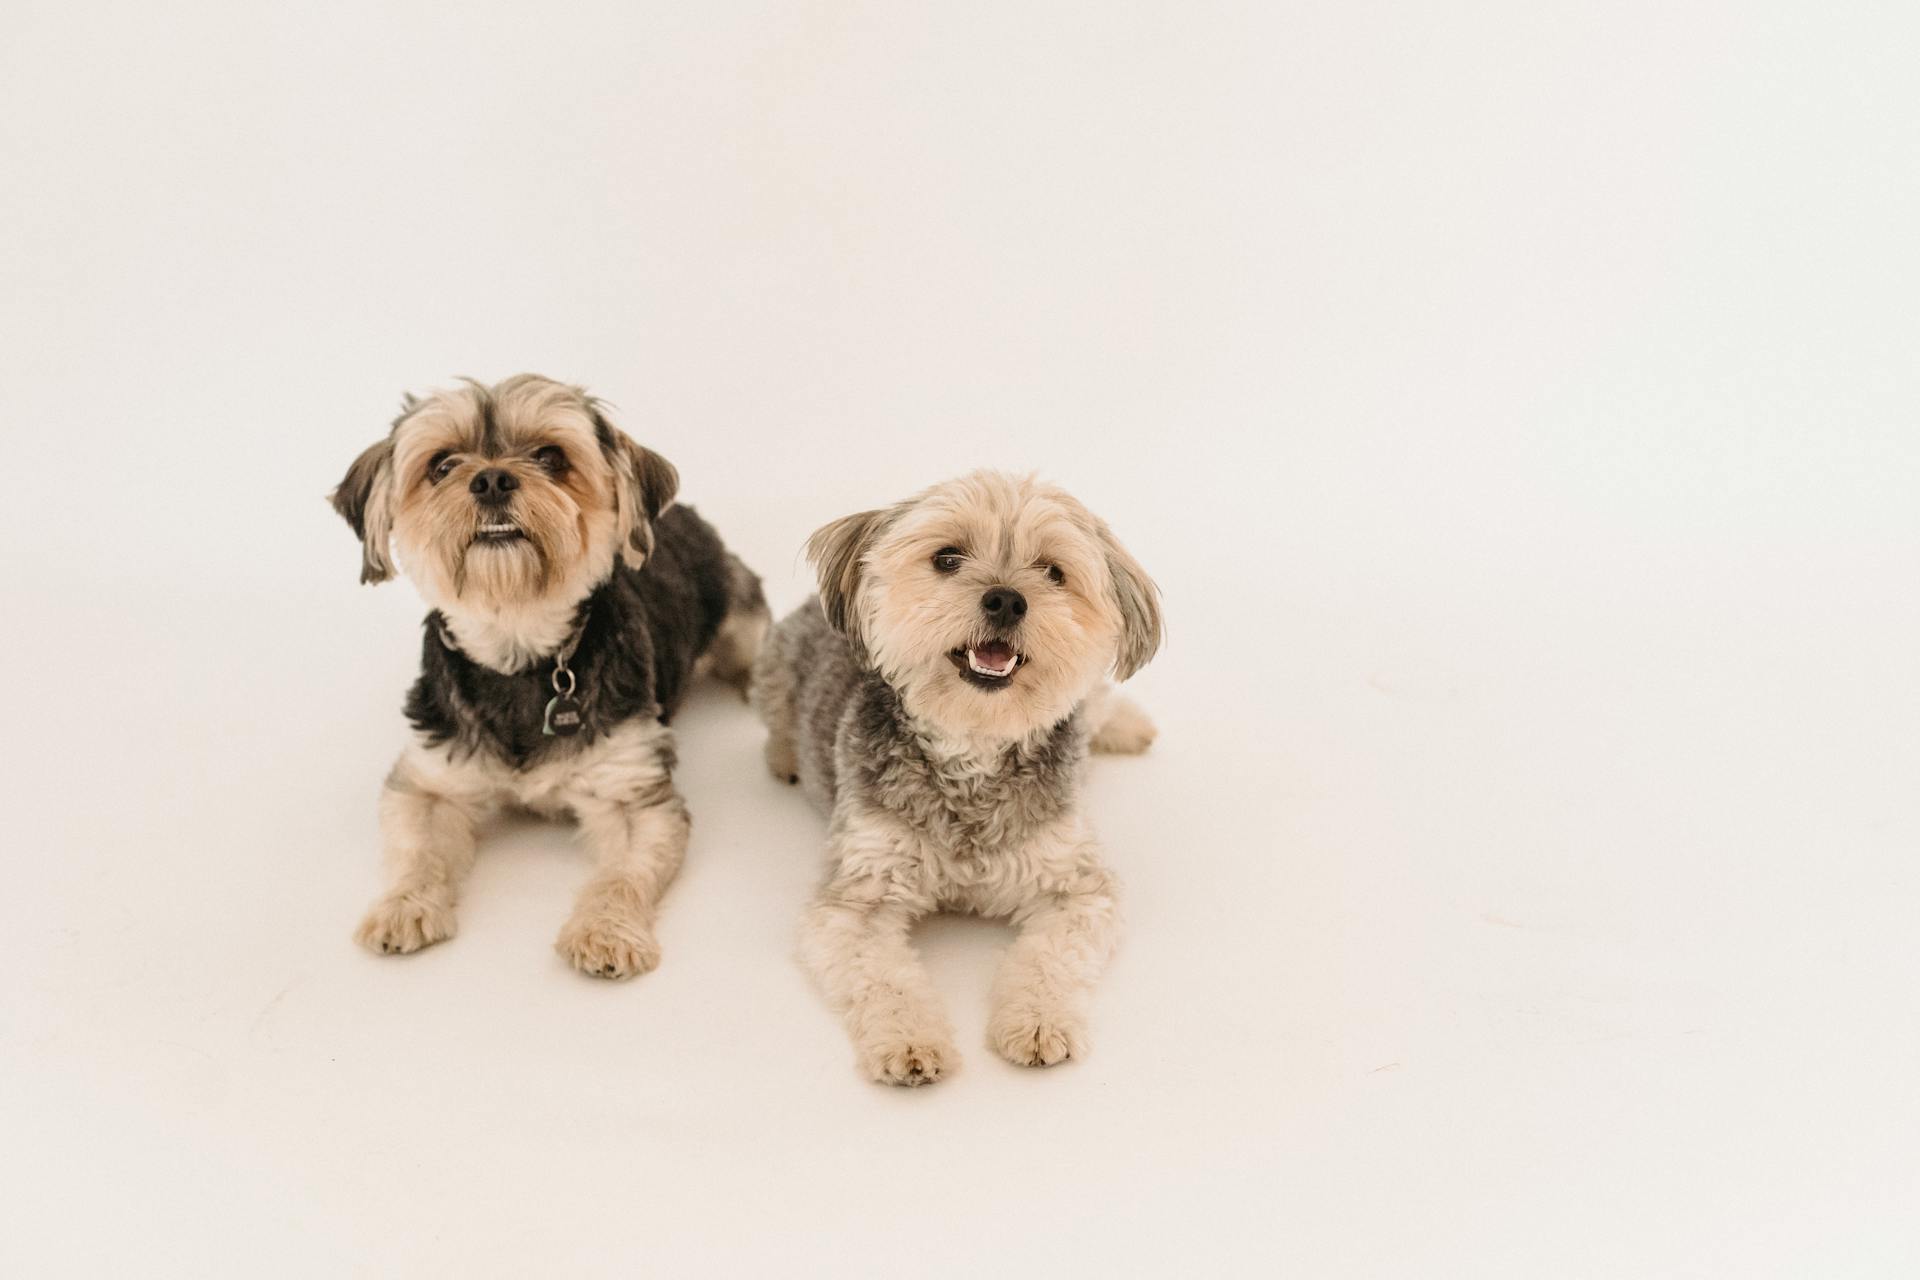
[563, 718]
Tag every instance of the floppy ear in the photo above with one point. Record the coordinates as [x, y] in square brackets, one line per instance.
[1138, 601]
[365, 499]
[835, 551]
[646, 484]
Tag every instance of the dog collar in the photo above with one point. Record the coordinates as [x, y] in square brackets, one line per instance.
[562, 717]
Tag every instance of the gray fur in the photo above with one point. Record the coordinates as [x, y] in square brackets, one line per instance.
[838, 729]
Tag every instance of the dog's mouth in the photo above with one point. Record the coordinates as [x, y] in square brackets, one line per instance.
[499, 531]
[988, 665]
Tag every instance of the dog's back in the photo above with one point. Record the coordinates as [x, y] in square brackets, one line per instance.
[704, 609]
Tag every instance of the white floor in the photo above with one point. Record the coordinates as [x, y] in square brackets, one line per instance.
[1516, 402]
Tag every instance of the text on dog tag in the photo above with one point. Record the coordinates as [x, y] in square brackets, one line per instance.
[563, 718]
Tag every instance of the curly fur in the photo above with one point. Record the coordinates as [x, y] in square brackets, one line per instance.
[945, 791]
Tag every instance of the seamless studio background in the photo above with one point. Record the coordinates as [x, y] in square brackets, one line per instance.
[1515, 402]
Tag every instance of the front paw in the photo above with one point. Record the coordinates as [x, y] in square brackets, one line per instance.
[907, 1060]
[1037, 1036]
[404, 922]
[605, 944]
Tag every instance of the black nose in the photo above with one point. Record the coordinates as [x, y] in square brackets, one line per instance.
[1003, 606]
[492, 486]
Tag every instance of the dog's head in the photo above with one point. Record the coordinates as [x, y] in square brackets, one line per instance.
[503, 496]
[993, 603]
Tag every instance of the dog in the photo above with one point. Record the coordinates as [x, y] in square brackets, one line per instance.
[937, 700]
[573, 604]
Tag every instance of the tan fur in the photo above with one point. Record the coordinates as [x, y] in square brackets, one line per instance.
[433, 805]
[1116, 725]
[572, 522]
[1104, 616]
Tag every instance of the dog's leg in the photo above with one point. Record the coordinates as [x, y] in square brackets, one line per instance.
[429, 840]
[855, 944]
[639, 844]
[1115, 723]
[1039, 995]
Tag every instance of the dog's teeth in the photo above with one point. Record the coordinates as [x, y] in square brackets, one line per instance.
[981, 668]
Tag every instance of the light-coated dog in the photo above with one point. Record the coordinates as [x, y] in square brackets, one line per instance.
[938, 700]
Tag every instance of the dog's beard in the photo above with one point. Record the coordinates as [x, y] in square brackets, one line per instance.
[503, 570]
[469, 562]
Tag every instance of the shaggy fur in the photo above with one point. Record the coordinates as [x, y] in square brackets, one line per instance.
[948, 784]
[532, 525]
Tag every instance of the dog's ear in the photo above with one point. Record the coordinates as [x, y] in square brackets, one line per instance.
[646, 484]
[1138, 601]
[364, 498]
[836, 551]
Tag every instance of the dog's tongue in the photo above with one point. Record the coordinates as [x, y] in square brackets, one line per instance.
[995, 656]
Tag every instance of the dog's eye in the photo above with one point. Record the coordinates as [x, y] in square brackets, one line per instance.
[552, 457]
[438, 466]
[1055, 576]
[947, 559]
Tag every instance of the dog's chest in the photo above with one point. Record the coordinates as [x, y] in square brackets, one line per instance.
[976, 809]
[508, 721]
[504, 715]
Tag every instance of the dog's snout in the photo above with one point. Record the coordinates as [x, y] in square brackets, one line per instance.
[1003, 606]
[493, 486]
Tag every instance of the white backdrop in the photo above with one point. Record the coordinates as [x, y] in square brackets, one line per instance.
[1515, 401]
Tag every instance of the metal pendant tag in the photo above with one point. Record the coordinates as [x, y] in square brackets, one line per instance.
[563, 718]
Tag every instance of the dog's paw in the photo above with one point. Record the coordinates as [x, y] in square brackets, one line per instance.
[1030, 1037]
[603, 944]
[1126, 730]
[782, 763]
[404, 922]
[908, 1061]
